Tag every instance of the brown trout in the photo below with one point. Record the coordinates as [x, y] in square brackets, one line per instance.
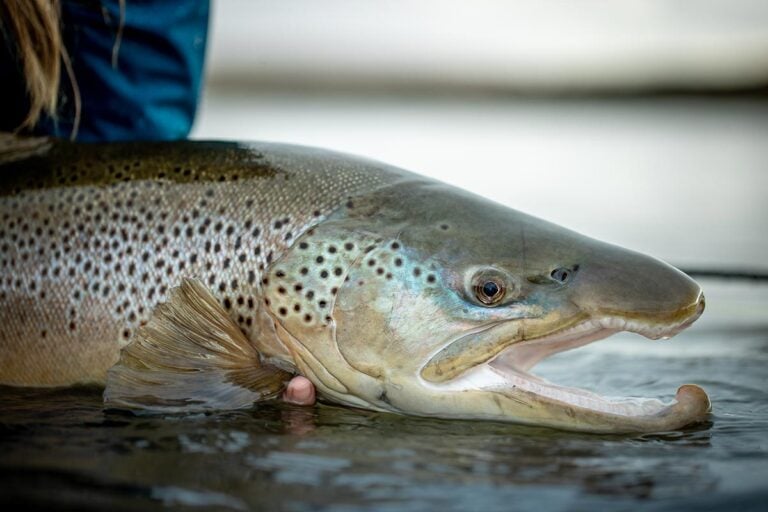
[226, 268]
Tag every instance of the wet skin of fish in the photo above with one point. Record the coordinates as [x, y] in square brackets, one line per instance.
[225, 268]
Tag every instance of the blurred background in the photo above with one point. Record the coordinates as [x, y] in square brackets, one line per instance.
[643, 123]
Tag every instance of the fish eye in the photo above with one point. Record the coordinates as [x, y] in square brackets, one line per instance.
[489, 286]
[561, 275]
[490, 291]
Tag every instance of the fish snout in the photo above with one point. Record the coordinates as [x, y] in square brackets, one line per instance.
[638, 293]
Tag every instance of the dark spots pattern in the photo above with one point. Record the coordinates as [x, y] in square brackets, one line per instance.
[125, 244]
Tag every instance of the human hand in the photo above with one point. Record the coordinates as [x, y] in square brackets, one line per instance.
[300, 391]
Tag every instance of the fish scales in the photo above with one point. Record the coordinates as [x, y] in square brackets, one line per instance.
[93, 237]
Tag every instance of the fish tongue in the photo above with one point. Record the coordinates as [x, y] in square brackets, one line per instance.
[191, 356]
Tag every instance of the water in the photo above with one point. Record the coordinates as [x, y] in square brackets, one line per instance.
[60, 450]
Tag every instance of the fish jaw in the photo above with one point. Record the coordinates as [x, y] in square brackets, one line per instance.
[504, 389]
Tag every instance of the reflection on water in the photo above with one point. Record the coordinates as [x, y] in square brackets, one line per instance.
[61, 450]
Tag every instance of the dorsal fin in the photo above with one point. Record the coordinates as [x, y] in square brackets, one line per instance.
[13, 147]
[191, 356]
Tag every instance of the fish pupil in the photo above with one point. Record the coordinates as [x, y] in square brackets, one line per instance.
[490, 289]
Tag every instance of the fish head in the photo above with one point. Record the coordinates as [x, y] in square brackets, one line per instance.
[441, 302]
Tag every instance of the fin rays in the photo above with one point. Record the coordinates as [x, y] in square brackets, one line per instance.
[191, 357]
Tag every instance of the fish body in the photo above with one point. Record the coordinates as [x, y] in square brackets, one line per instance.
[94, 236]
[389, 290]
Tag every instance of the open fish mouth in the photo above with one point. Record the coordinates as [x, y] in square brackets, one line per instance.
[509, 374]
[514, 365]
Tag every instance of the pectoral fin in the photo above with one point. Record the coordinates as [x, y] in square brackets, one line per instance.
[191, 356]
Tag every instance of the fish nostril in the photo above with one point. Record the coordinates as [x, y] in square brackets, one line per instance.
[561, 275]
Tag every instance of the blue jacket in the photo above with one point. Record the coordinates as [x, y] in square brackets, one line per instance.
[151, 93]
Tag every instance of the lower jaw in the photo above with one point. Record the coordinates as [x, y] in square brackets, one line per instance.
[691, 405]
